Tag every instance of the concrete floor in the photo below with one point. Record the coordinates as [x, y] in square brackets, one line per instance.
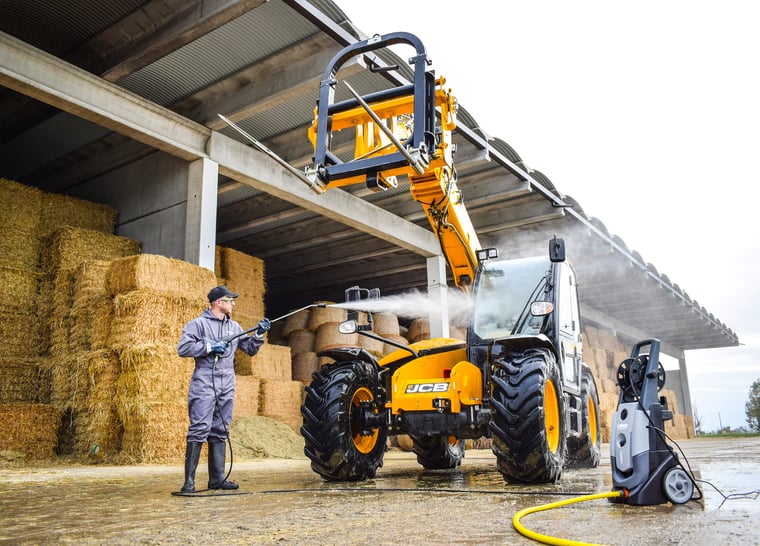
[284, 502]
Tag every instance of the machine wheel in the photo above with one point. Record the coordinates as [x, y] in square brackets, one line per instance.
[438, 452]
[528, 422]
[586, 450]
[677, 485]
[342, 429]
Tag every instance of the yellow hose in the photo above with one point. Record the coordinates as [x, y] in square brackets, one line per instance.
[546, 539]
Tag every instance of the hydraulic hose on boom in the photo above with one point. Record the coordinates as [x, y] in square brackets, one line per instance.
[400, 131]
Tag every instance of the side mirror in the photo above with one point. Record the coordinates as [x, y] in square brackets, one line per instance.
[557, 249]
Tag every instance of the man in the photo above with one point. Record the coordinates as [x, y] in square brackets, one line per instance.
[208, 339]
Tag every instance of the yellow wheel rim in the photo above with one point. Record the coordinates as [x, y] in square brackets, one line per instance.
[364, 443]
[551, 416]
[453, 441]
[592, 419]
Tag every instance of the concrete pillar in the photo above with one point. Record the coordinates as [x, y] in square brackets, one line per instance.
[200, 225]
[436, 287]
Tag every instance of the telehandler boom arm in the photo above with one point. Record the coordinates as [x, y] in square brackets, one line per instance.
[400, 131]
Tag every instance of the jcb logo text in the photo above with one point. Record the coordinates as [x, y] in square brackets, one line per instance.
[427, 387]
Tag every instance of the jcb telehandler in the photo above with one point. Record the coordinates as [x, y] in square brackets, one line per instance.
[519, 379]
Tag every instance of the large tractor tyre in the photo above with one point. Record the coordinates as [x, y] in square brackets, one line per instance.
[528, 418]
[438, 452]
[342, 427]
[586, 450]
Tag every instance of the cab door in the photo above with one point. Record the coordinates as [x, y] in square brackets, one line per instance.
[569, 326]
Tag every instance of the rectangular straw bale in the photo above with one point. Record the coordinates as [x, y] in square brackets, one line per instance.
[70, 383]
[31, 429]
[19, 247]
[63, 210]
[18, 287]
[271, 362]
[160, 274]
[281, 400]
[246, 396]
[153, 432]
[90, 282]
[22, 203]
[148, 317]
[19, 379]
[20, 333]
[244, 275]
[153, 373]
[68, 248]
[90, 326]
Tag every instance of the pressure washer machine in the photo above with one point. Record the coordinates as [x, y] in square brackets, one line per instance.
[644, 465]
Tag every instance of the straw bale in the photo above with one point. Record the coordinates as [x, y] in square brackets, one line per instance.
[275, 333]
[386, 324]
[218, 264]
[90, 283]
[296, 321]
[68, 247]
[271, 362]
[19, 379]
[63, 210]
[90, 326]
[305, 364]
[246, 396]
[372, 346]
[19, 247]
[153, 432]
[31, 429]
[281, 400]
[321, 315]
[592, 337]
[247, 321]
[388, 348]
[20, 333]
[18, 287]
[160, 274]
[21, 203]
[148, 317]
[328, 337]
[419, 329]
[458, 333]
[301, 341]
[151, 374]
[242, 269]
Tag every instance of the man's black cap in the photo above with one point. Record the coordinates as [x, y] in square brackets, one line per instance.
[220, 292]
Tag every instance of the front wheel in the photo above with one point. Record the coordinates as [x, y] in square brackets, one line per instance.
[528, 420]
[342, 422]
[438, 452]
[585, 451]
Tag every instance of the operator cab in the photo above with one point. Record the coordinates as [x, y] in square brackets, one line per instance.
[529, 298]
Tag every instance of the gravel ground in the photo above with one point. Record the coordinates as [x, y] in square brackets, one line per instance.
[283, 502]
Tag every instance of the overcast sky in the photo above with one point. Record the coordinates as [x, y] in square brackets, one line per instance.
[647, 114]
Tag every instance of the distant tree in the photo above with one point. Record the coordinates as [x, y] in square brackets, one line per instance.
[752, 407]
[697, 422]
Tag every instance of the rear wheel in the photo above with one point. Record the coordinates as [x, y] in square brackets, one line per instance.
[438, 452]
[528, 425]
[342, 426]
[585, 451]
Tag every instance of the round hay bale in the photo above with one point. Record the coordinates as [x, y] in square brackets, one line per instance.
[296, 321]
[385, 323]
[458, 333]
[419, 329]
[320, 315]
[325, 360]
[388, 348]
[372, 346]
[301, 341]
[405, 442]
[305, 364]
[328, 337]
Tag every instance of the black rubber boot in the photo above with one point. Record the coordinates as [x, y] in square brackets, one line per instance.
[192, 455]
[217, 452]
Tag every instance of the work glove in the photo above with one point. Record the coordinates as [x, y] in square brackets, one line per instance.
[264, 325]
[218, 347]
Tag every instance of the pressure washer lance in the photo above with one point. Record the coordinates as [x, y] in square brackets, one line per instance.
[272, 321]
